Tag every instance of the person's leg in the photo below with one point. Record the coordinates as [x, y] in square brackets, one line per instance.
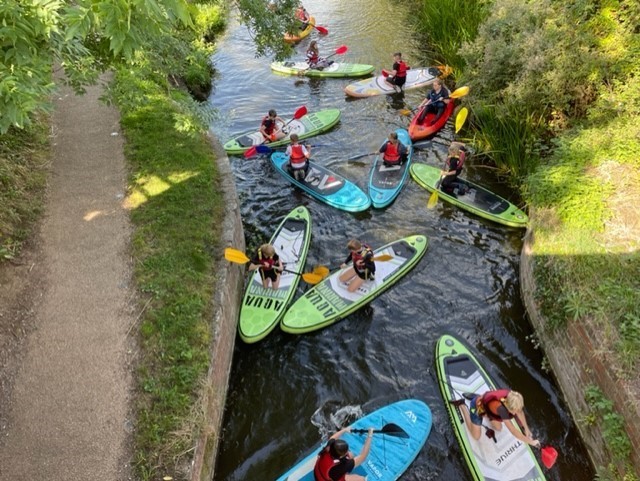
[474, 429]
[347, 275]
[265, 279]
[275, 284]
[439, 112]
[354, 477]
[355, 284]
[497, 425]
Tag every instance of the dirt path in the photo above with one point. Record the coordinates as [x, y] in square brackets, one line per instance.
[65, 313]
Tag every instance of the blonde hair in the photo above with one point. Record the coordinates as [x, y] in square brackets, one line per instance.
[514, 402]
[354, 245]
[454, 150]
[267, 250]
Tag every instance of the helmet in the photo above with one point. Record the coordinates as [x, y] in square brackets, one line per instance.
[338, 448]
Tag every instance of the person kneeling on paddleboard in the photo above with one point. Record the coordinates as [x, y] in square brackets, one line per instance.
[269, 264]
[364, 268]
[298, 158]
[452, 169]
[335, 461]
[499, 406]
[269, 127]
[435, 102]
[314, 59]
[393, 151]
[398, 74]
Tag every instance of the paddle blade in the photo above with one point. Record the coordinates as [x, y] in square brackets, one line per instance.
[250, 152]
[394, 430]
[433, 200]
[383, 258]
[263, 149]
[301, 112]
[322, 30]
[459, 92]
[549, 456]
[321, 271]
[234, 255]
[311, 278]
[461, 118]
[341, 49]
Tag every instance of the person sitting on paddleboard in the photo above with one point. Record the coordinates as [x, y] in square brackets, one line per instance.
[335, 461]
[269, 127]
[435, 101]
[398, 74]
[499, 406]
[298, 158]
[393, 151]
[452, 169]
[363, 269]
[313, 57]
[302, 16]
[269, 265]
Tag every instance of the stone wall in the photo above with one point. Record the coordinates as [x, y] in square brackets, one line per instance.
[576, 359]
[226, 301]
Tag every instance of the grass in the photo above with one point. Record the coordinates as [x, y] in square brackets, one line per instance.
[24, 163]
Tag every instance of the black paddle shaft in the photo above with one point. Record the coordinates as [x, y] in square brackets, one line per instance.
[389, 429]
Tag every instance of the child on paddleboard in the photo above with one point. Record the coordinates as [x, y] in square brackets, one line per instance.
[452, 169]
[269, 127]
[335, 461]
[298, 158]
[363, 268]
[269, 265]
[398, 75]
[314, 59]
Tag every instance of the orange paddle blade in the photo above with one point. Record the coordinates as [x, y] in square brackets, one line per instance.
[383, 258]
[236, 256]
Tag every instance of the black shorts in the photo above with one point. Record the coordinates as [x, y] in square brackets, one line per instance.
[270, 274]
[399, 81]
[362, 275]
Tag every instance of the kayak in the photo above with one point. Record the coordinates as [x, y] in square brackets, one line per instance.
[325, 185]
[288, 37]
[424, 129]
[385, 182]
[506, 458]
[262, 308]
[419, 77]
[477, 200]
[330, 301]
[306, 126]
[336, 69]
[390, 455]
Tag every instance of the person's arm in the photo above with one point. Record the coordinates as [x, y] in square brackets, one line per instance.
[348, 259]
[445, 95]
[383, 149]
[306, 150]
[359, 459]
[519, 435]
[337, 434]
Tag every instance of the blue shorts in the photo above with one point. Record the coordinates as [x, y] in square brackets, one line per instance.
[473, 412]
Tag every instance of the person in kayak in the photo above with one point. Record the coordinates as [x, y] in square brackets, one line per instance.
[452, 169]
[435, 101]
[393, 151]
[335, 462]
[500, 407]
[298, 158]
[314, 59]
[302, 16]
[398, 75]
[269, 265]
[269, 127]
[364, 268]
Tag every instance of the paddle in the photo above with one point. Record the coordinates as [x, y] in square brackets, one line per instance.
[456, 94]
[388, 429]
[301, 112]
[322, 30]
[341, 50]
[324, 271]
[238, 257]
[460, 120]
[265, 149]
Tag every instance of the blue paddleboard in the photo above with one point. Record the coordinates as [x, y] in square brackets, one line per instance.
[390, 455]
[385, 182]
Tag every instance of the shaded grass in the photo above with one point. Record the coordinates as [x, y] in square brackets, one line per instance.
[24, 163]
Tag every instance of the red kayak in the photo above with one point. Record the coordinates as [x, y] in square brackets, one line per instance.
[418, 131]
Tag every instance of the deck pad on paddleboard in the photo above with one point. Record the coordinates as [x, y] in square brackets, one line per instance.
[262, 308]
[385, 182]
[477, 199]
[325, 185]
[336, 69]
[330, 301]
[307, 126]
[389, 456]
[506, 459]
[378, 85]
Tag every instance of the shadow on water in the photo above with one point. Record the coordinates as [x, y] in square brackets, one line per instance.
[285, 389]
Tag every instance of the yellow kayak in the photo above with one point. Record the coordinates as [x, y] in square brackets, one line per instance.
[289, 37]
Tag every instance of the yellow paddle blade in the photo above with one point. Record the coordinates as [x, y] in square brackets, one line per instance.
[311, 278]
[405, 112]
[234, 255]
[321, 271]
[461, 118]
[459, 92]
[433, 200]
[383, 258]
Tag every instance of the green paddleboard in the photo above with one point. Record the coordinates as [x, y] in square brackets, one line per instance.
[306, 126]
[329, 301]
[263, 308]
[336, 69]
[477, 200]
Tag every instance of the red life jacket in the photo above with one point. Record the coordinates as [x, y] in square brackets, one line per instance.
[301, 15]
[491, 401]
[264, 259]
[392, 152]
[269, 125]
[297, 160]
[359, 256]
[402, 69]
[312, 57]
[324, 463]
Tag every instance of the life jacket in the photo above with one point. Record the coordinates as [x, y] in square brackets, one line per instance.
[312, 57]
[269, 126]
[297, 160]
[264, 259]
[402, 69]
[392, 152]
[324, 463]
[301, 15]
[460, 159]
[491, 401]
[360, 256]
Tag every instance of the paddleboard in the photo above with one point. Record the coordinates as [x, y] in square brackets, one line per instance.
[389, 456]
[330, 301]
[325, 185]
[262, 308]
[385, 182]
[418, 77]
[506, 459]
[306, 126]
[296, 37]
[424, 129]
[477, 200]
[336, 69]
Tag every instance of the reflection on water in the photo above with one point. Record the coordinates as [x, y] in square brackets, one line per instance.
[288, 391]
